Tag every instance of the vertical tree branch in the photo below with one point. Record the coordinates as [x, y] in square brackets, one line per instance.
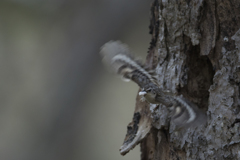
[195, 51]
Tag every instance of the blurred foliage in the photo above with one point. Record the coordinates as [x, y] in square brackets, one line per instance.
[57, 102]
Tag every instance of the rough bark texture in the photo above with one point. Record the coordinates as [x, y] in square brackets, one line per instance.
[195, 49]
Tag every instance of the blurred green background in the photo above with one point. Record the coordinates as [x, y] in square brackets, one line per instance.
[57, 100]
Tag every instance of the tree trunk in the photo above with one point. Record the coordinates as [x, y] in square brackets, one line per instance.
[195, 51]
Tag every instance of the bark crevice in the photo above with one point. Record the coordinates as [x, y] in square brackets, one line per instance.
[199, 74]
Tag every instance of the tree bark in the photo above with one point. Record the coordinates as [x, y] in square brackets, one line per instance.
[195, 51]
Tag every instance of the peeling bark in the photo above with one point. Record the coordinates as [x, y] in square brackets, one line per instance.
[138, 128]
[195, 50]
